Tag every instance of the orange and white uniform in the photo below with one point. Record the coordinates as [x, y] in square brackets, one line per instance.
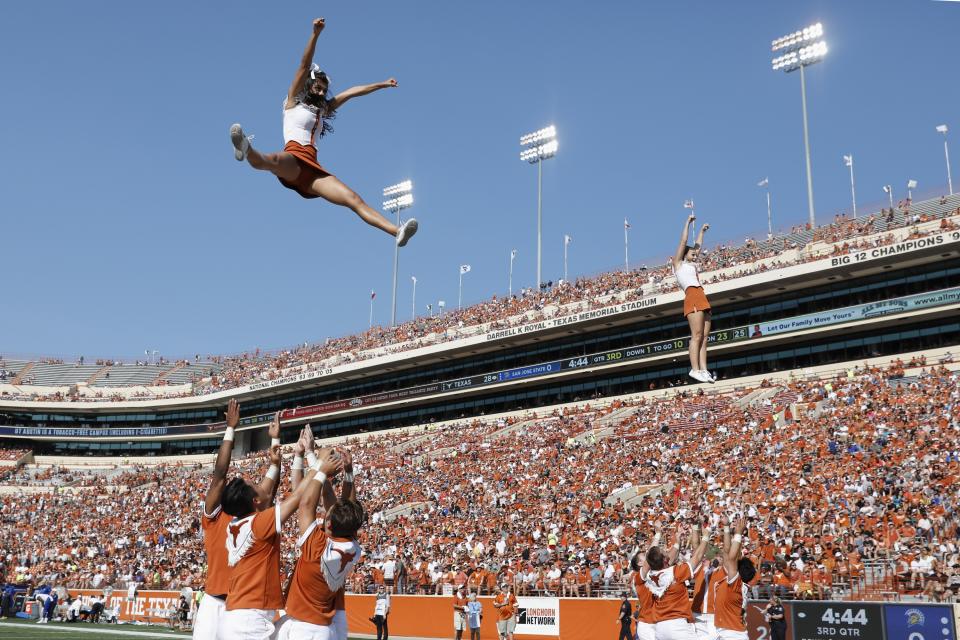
[704, 601]
[459, 615]
[506, 622]
[253, 550]
[646, 620]
[671, 606]
[315, 603]
[212, 605]
[731, 594]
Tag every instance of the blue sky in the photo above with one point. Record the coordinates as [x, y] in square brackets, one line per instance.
[127, 224]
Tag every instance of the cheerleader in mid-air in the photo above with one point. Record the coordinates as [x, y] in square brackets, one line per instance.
[306, 116]
[696, 308]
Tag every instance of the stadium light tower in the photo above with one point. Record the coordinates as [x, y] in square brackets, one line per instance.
[398, 197]
[942, 128]
[888, 189]
[794, 51]
[848, 160]
[535, 148]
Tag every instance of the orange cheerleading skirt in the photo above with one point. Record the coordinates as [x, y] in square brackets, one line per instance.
[310, 169]
[694, 300]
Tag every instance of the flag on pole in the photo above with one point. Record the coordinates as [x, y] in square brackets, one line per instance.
[567, 239]
[626, 225]
[464, 268]
[429, 307]
[763, 182]
[414, 278]
[886, 188]
[912, 184]
[373, 294]
[848, 160]
[513, 254]
[688, 204]
[442, 304]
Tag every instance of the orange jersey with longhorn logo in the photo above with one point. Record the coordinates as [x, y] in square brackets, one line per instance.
[215, 544]
[311, 598]
[644, 601]
[730, 598]
[670, 601]
[705, 595]
[255, 578]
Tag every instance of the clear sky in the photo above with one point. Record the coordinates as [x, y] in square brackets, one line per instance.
[126, 223]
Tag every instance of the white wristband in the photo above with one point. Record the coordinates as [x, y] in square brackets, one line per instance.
[298, 462]
[348, 477]
[311, 459]
[321, 477]
[738, 538]
[228, 434]
[273, 472]
[274, 442]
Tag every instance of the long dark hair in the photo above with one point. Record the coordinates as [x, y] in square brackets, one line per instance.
[322, 105]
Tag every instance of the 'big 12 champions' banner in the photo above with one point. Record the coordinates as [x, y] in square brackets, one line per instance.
[538, 616]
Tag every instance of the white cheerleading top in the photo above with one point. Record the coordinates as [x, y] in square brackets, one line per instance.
[300, 124]
[687, 275]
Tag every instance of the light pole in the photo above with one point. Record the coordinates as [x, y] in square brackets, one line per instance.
[398, 197]
[797, 51]
[440, 305]
[464, 268]
[566, 243]
[535, 148]
[626, 246]
[513, 254]
[946, 154]
[413, 305]
[848, 160]
[765, 183]
[888, 189]
[373, 294]
[911, 185]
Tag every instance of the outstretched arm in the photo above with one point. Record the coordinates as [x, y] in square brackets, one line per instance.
[348, 490]
[304, 69]
[296, 470]
[270, 482]
[701, 549]
[678, 256]
[361, 90]
[219, 479]
[328, 465]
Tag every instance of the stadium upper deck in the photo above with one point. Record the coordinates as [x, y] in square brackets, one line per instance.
[838, 297]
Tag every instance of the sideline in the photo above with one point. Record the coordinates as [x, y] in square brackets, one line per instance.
[79, 629]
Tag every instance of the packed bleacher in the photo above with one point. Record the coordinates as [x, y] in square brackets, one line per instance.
[850, 485]
[108, 379]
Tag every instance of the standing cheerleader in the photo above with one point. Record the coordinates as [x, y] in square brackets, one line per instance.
[307, 113]
[696, 308]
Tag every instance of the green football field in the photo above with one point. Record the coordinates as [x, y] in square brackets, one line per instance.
[30, 630]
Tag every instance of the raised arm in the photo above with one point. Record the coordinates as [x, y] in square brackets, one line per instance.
[270, 482]
[678, 256]
[361, 90]
[732, 555]
[701, 548]
[296, 470]
[328, 466]
[703, 230]
[219, 479]
[304, 69]
[348, 490]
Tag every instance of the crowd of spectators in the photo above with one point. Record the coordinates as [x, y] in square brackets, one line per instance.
[720, 263]
[849, 484]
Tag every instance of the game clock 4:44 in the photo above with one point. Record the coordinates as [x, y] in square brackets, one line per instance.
[837, 621]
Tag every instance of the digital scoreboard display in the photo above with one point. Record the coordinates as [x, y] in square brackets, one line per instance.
[837, 621]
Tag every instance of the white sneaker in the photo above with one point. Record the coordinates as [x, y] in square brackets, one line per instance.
[697, 375]
[241, 142]
[713, 376]
[407, 231]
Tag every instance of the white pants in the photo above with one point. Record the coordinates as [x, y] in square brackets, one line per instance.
[676, 629]
[646, 631]
[704, 626]
[459, 621]
[289, 628]
[207, 620]
[727, 634]
[247, 624]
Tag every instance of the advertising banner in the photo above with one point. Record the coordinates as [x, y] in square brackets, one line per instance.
[919, 622]
[538, 616]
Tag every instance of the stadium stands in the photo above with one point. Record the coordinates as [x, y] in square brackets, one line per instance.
[719, 264]
[851, 484]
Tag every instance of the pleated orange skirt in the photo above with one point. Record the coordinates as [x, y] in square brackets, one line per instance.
[694, 300]
[310, 169]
